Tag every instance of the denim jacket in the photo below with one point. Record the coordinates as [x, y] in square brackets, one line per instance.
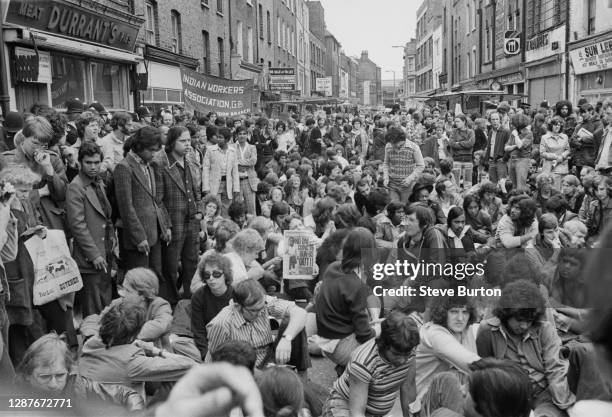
[541, 346]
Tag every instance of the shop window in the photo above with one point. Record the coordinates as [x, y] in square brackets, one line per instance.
[109, 82]
[68, 79]
[159, 95]
[174, 95]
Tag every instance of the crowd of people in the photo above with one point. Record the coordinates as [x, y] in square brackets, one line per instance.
[176, 224]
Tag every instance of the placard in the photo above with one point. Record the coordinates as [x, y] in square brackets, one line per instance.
[300, 255]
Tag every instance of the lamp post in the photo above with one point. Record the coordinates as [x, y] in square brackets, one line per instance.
[394, 90]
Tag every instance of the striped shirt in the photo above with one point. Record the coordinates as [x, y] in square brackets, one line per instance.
[229, 324]
[384, 380]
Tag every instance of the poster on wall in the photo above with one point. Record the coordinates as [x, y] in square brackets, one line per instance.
[206, 93]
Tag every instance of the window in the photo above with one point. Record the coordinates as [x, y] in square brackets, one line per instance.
[474, 61]
[220, 6]
[268, 22]
[151, 26]
[67, 79]
[206, 57]
[109, 82]
[175, 38]
[469, 17]
[204, 3]
[261, 22]
[249, 2]
[221, 46]
[279, 34]
[239, 41]
[591, 17]
[468, 64]
[544, 14]
[250, 45]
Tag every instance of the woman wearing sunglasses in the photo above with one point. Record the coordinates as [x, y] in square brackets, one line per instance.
[216, 273]
[555, 151]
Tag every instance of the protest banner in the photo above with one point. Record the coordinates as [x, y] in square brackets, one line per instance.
[206, 93]
[299, 256]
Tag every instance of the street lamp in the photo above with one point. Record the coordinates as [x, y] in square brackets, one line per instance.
[394, 90]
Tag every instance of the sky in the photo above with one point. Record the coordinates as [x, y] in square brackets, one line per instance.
[375, 26]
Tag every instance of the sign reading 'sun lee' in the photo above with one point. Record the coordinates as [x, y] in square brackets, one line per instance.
[206, 93]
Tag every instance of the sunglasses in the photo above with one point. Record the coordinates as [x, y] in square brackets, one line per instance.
[215, 274]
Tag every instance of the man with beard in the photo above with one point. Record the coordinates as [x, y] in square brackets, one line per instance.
[112, 144]
[220, 175]
[563, 109]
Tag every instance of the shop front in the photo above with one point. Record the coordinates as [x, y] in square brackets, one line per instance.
[509, 80]
[591, 60]
[545, 66]
[56, 51]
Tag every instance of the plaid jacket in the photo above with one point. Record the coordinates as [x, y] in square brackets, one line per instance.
[176, 198]
[142, 212]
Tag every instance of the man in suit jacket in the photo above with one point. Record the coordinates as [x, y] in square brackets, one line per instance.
[220, 174]
[144, 219]
[247, 159]
[179, 181]
[89, 218]
[494, 153]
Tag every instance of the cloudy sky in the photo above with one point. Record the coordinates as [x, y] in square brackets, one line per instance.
[375, 26]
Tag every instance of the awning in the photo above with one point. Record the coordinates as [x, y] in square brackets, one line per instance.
[66, 45]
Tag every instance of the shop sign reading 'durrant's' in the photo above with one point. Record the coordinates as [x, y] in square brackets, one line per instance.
[63, 18]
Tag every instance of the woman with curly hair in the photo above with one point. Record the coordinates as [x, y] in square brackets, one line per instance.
[448, 344]
[598, 215]
[320, 220]
[519, 226]
[520, 333]
[545, 189]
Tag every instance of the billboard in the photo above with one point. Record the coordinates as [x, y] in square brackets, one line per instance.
[282, 79]
[324, 85]
[225, 97]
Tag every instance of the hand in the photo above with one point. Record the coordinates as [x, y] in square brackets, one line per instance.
[377, 329]
[44, 160]
[143, 247]
[202, 234]
[100, 264]
[44, 192]
[198, 216]
[283, 351]
[40, 231]
[386, 181]
[212, 390]
[148, 347]
[167, 236]
[274, 262]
